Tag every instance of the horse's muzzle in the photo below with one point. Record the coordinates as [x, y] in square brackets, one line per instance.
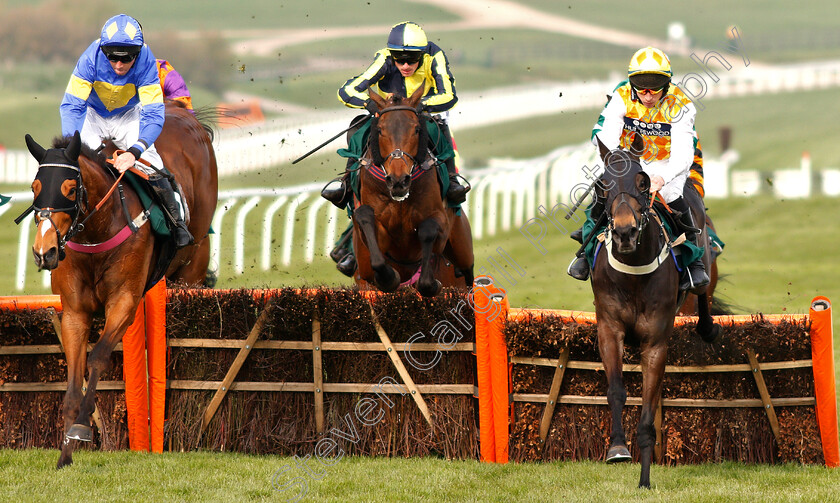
[625, 240]
[46, 261]
[398, 188]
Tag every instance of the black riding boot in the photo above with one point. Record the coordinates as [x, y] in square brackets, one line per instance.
[457, 193]
[343, 254]
[579, 268]
[166, 193]
[341, 195]
[695, 274]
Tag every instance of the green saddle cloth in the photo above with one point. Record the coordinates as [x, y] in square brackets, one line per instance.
[359, 141]
[156, 217]
[688, 251]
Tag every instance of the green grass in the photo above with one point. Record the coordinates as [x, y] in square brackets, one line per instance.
[203, 476]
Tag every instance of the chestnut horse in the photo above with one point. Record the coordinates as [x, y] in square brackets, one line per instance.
[403, 227]
[636, 288]
[71, 181]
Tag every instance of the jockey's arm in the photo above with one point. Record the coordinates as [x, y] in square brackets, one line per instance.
[150, 93]
[610, 123]
[445, 97]
[679, 161]
[354, 92]
[74, 104]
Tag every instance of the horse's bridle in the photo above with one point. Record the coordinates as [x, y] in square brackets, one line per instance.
[641, 219]
[74, 211]
[399, 153]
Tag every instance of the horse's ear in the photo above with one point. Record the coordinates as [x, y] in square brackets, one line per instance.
[74, 148]
[379, 100]
[37, 151]
[602, 149]
[416, 96]
[637, 148]
[642, 181]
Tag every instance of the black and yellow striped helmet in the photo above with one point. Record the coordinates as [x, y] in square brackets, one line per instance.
[407, 36]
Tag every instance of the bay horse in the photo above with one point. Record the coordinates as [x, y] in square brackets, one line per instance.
[636, 289]
[403, 230]
[71, 181]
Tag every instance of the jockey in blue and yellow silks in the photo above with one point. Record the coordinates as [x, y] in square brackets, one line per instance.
[408, 61]
[647, 104]
[115, 92]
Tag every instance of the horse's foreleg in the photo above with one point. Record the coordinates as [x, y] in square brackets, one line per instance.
[75, 328]
[653, 369]
[118, 317]
[429, 232]
[611, 347]
[385, 277]
[706, 327]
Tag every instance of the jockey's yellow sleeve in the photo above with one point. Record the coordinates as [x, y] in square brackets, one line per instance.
[384, 78]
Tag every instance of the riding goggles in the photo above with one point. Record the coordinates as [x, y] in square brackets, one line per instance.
[648, 91]
[128, 58]
[407, 57]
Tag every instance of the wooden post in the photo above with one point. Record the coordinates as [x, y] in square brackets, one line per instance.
[57, 327]
[765, 395]
[318, 371]
[548, 412]
[395, 359]
[657, 424]
[234, 368]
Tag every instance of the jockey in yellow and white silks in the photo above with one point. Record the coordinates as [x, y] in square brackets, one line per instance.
[648, 104]
[115, 92]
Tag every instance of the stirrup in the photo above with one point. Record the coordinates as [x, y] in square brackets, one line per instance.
[340, 196]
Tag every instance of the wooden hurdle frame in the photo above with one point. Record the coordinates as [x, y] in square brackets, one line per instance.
[490, 335]
[494, 388]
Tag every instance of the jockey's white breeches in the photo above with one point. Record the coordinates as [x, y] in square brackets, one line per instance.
[124, 129]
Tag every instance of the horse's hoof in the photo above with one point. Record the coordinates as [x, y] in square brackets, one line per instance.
[79, 432]
[712, 334]
[618, 454]
[63, 462]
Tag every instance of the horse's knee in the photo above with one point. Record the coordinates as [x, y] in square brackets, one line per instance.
[428, 231]
[364, 215]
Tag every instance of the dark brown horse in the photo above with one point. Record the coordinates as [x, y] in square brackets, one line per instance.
[403, 227]
[636, 288]
[71, 181]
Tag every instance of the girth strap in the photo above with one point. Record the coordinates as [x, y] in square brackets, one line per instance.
[115, 241]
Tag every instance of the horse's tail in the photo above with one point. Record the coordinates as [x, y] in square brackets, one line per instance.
[208, 116]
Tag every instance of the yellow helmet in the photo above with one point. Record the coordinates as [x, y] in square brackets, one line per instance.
[649, 68]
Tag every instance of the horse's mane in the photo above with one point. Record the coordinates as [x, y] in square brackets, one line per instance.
[64, 142]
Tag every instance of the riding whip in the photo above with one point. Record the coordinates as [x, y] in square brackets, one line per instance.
[319, 147]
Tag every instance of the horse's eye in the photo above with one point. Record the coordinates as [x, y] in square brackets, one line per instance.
[417, 129]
